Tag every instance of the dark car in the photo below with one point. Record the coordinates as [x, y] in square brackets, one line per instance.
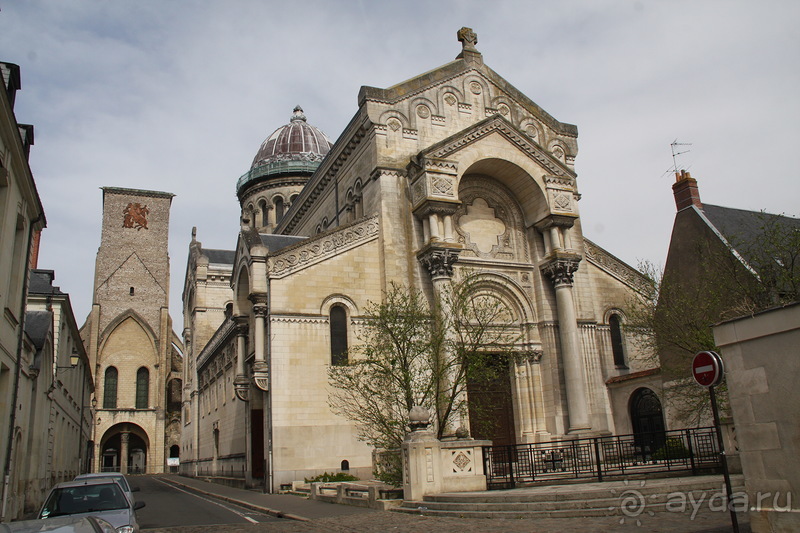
[101, 497]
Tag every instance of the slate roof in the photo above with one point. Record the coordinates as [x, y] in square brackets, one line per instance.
[275, 243]
[37, 326]
[221, 257]
[41, 282]
[741, 228]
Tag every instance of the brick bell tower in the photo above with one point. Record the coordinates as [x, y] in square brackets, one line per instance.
[129, 335]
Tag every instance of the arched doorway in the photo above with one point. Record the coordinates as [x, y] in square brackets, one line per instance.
[647, 419]
[124, 449]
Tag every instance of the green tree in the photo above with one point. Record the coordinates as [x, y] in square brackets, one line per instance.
[414, 352]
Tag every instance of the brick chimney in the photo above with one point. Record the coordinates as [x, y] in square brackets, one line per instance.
[685, 191]
[34, 260]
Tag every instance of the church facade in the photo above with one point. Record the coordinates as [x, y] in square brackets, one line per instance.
[452, 173]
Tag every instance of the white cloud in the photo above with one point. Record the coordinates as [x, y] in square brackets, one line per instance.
[178, 96]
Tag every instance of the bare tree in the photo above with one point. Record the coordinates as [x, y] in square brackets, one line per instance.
[412, 352]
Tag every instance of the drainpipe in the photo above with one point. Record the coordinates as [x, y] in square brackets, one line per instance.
[18, 367]
[268, 357]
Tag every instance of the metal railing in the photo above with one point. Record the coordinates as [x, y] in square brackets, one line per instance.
[692, 449]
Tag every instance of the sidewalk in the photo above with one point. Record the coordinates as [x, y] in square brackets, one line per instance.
[312, 516]
[279, 505]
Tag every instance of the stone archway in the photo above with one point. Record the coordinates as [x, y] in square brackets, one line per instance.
[124, 448]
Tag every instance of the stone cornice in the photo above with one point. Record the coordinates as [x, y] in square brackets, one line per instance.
[496, 124]
[616, 267]
[445, 74]
[319, 248]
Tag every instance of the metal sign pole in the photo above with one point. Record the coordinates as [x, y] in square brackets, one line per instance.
[726, 474]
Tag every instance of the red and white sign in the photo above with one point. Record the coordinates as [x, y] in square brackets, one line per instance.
[707, 369]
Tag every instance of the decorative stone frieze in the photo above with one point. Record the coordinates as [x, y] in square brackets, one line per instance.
[607, 262]
[316, 249]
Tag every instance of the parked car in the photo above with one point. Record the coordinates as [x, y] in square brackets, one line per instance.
[127, 488]
[100, 497]
[62, 524]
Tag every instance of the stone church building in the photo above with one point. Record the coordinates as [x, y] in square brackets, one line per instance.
[136, 356]
[450, 172]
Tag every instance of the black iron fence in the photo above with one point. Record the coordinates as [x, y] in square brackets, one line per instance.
[692, 450]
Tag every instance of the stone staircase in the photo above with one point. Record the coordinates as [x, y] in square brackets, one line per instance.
[631, 497]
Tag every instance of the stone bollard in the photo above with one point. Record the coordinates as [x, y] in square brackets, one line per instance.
[421, 450]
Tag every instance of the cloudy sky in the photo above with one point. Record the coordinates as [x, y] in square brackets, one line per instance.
[178, 96]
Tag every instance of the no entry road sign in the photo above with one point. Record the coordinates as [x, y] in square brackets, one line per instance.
[707, 369]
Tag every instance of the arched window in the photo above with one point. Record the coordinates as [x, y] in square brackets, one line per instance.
[617, 347]
[174, 395]
[142, 388]
[278, 209]
[338, 335]
[110, 389]
[262, 206]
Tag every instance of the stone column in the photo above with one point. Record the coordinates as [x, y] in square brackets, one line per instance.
[260, 368]
[124, 438]
[241, 383]
[439, 259]
[448, 228]
[560, 269]
[433, 226]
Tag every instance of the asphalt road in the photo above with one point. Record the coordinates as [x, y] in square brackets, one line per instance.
[170, 506]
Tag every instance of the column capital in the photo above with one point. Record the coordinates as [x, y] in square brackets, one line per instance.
[439, 258]
[560, 267]
[241, 326]
[261, 375]
[529, 356]
[241, 385]
[260, 310]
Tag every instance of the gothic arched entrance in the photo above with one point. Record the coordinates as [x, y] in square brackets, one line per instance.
[647, 419]
[124, 448]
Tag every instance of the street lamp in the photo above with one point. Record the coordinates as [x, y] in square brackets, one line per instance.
[73, 360]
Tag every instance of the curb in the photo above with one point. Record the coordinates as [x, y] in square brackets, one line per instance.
[247, 505]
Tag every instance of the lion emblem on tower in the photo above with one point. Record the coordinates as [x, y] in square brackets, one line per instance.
[135, 216]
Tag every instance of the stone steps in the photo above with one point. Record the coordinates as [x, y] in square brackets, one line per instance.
[587, 500]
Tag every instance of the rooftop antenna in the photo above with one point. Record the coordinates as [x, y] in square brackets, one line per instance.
[674, 144]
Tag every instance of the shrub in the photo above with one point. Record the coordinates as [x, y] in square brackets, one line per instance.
[332, 477]
[672, 449]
